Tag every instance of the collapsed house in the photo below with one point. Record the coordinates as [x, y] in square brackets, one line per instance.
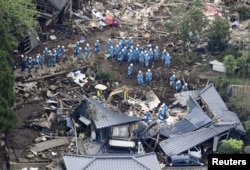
[108, 126]
[49, 10]
[207, 121]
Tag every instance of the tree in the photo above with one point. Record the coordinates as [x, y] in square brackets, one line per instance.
[219, 35]
[241, 66]
[188, 21]
[230, 146]
[230, 64]
[16, 19]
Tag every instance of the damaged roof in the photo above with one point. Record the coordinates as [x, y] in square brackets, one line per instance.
[183, 97]
[180, 143]
[218, 108]
[146, 161]
[58, 4]
[105, 117]
[191, 122]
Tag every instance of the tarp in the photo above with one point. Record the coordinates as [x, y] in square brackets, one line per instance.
[109, 19]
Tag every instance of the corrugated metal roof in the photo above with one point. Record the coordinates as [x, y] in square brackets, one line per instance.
[146, 161]
[180, 143]
[218, 108]
[58, 4]
[183, 97]
[104, 117]
[191, 122]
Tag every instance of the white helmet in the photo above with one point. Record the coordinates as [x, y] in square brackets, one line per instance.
[22, 55]
[97, 40]
[137, 48]
[77, 42]
[164, 50]
[111, 47]
[131, 64]
[156, 46]
[46, 48]
[54, 50]
[30, 57]
[138, 45]
[37, 56]
[140, 71]
[130, 38]
[122, 49]
[87, 44]
[110, 39]
[80, 48]
[178, 81]
[149, 45]
[131, 46]
[186, 84]
[150, 49]
[131, 50]
[63, 47]
[122, 37]
[142, 52]
[117, 45]
[149, 70]
[173, 75]
[58, 46]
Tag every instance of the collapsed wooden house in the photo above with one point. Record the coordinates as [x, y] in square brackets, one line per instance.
[50, 10]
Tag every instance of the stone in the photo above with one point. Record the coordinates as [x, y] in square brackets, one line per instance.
[2, 143]
[30, 156]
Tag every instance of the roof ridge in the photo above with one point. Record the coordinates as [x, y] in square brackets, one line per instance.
[147, 168]
[206, 88]
[90, 162]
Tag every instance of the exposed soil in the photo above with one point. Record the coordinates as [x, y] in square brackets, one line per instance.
[23, 136]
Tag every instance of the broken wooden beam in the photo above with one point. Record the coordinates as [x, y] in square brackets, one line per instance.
[53, 75]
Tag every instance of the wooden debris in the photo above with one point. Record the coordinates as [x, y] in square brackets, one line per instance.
[39, 147]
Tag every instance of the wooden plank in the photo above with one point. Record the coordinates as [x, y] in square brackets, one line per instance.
[48, 144]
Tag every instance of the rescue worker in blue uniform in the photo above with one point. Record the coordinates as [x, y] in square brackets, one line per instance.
[140, 78]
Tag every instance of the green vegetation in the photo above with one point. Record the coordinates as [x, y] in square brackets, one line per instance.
[247, 126]
[7, 97]
[189, 21]
[230, 64]
[243, 12]
[219, 35]
[16, 19]
[230, 146]
[106, 76]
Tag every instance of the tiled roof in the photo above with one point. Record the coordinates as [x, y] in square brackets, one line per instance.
[191, 122]
[146, 161]
[104, 117]
[182, 97]
[58, 4]
[218, 108]
[180, 143]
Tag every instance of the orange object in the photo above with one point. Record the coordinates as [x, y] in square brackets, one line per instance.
[109, 19]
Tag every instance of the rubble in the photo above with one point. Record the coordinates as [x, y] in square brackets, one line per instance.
[42, 146]
[63, 91]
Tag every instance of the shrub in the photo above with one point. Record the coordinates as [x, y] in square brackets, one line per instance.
[247, 149]
[247, 126]
[106, 76]
[230, 146]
